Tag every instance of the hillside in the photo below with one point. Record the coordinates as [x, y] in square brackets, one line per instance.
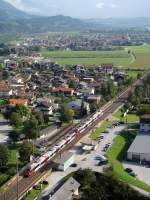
[8, 12]
[15, 21]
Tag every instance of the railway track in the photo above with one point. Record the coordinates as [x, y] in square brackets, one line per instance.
[25, 184]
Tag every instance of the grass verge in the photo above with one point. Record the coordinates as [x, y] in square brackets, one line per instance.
[101, 129]
[130, 118]
[117, 154]
[35, 192]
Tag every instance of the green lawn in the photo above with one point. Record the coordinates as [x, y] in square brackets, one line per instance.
[101, 129]
[35, 192]
[131, 118]
[132, 74]
[13, 152]
[117, 154]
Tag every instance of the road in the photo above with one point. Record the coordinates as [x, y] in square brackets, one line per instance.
[25, 184]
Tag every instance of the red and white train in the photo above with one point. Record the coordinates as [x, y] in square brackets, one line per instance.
[46, 157]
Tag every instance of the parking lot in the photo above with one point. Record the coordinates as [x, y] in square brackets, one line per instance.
[84, 159]
[142, 172]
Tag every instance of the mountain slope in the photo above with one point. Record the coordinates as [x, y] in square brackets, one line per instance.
[9, 12]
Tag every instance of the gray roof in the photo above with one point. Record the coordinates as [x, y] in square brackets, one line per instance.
[64, 157]
[141, 144]
[66, 191]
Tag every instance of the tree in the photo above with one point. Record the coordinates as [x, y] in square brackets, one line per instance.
[14, 135]
[86, 177]
[4, 155]
[23, 111]
[31, 128]
[25, 152]
[93, 107]
[83, 110]
[66, 114]
[15, 119]
[39, 117]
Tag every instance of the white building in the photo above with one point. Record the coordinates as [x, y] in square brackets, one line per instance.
[140, 149]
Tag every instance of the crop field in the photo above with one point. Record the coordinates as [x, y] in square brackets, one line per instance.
[142, 54]
[119, 58]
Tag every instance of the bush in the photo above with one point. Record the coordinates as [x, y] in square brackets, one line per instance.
[3, 178]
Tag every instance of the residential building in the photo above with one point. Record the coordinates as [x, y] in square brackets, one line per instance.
[14, 102]
[108, 68]
[64, 91]
[145, 124]
[77, 104]
[68, 191]
[5, 90]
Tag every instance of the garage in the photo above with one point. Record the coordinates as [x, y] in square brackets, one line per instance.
[140, 149]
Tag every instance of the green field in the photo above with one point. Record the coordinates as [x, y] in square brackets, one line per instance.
[119, 58]
[117, 154]
[142, 56]
[130, 118]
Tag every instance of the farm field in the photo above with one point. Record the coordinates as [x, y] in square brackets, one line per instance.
[119, 58]
[142, 54]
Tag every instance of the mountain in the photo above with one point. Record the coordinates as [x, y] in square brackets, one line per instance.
[122, 23]
[15, 21]
[9, 12]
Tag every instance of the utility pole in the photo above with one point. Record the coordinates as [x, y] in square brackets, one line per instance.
[17, 171]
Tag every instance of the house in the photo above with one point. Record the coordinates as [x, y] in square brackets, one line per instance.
[5, 90]
[68, 191]
[14, 102]
[145, 124]
[77, 104]
[140, 149]
[64, 161]
[94, 99]
[108, 68]
[87, 91]
[45, 105]
[64, 91]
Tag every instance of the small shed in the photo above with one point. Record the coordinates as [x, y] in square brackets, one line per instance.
[64, 161]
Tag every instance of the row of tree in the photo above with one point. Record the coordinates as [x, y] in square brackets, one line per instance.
[98, 186]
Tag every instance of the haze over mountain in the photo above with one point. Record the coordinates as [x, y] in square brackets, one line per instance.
[86, 8]
[9, 12]
[13, 20]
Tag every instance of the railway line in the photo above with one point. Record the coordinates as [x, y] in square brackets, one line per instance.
[24, 184]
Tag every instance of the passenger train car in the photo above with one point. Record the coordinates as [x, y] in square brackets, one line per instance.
[46, 157]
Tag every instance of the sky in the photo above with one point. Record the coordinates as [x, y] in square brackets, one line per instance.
[86, 8]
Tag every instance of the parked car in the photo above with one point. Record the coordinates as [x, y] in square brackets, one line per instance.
[74, 165]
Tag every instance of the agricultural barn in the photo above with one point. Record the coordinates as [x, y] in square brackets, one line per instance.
[140, 148]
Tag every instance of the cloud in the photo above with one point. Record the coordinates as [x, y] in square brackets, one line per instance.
[100, 5]
[113, 5]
